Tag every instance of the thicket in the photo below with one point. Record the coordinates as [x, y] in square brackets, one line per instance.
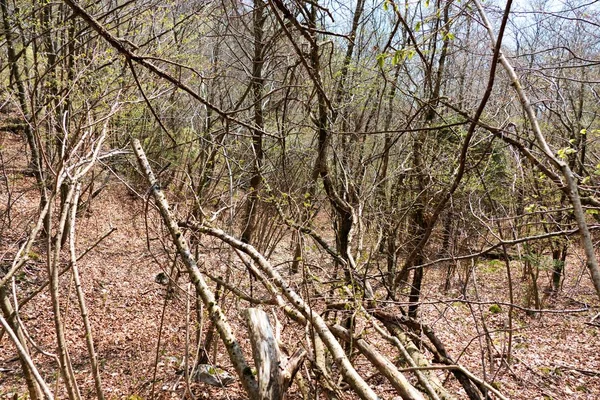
[356, 145]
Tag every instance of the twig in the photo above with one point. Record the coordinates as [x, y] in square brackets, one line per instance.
[26, 357]
[587, 372]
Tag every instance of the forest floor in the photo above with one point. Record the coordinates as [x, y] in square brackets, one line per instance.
[140, 333]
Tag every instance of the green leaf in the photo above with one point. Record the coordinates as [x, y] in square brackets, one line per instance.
[381, 59]
[564, 152]
[449, 36]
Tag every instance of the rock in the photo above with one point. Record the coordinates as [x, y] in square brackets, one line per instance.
[212, 375]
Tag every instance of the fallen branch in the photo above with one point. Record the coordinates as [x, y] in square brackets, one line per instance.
[440, 354]
[352, 377]
[220, 321]
[303, 314]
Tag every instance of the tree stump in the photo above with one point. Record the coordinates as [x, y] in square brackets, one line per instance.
[274, 370]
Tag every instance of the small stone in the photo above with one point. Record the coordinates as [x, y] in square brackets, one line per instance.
[214, 376]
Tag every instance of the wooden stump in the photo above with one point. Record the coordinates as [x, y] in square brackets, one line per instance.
[274, 370]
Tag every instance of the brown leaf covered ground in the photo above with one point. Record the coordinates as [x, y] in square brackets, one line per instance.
[554, 354]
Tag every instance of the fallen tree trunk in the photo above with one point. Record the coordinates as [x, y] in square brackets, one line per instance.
[392, 322]
[216, 314]
[356, 382]
[271, 383]
[383, 365]
[301, 312]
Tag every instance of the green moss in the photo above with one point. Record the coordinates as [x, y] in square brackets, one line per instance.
[495, 309]
[545, 370]
[492, 266]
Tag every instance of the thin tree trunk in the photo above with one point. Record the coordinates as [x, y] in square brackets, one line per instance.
[53, 261]
[572, 189]
[258, 83]
[462, 160]
[11, 318]
[81, 297]
[16, 78]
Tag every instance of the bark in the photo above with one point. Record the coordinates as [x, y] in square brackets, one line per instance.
[559, 257]
[258, 83]
[273, 370]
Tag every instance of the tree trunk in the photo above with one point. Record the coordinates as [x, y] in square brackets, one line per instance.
[259, 17]
[15, 76]
[571, 188]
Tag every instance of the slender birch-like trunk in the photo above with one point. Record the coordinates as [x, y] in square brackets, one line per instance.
[220, 321]
[570, 183]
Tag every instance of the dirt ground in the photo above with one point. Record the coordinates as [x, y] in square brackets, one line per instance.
[136, 322]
